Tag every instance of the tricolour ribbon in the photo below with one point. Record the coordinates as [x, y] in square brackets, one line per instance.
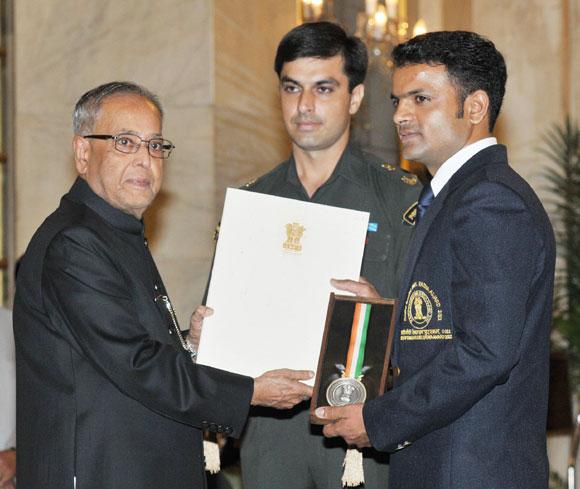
[353, 474]
[358, 339]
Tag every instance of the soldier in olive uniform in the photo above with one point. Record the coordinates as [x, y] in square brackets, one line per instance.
[321, 72]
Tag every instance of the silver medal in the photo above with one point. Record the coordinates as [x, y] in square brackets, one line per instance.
[345, 391]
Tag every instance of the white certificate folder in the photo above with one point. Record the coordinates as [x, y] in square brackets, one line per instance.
[270, 281]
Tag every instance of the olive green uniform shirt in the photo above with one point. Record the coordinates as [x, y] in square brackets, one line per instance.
[361, 182]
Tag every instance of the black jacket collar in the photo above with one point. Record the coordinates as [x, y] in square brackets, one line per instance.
[81, 192]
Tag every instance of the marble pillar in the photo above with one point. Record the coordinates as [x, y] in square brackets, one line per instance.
[249, 129]
[573, 58]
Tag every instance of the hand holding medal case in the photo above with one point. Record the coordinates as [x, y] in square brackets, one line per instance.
[353, 365]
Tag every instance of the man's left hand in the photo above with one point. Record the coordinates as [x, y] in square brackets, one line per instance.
[196, 324]
[345, 421]
[7, 467]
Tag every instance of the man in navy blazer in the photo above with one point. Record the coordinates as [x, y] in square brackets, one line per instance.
[468, 409]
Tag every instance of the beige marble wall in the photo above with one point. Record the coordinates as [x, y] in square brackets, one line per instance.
[529, 34]
[457, 14]
[574, 58]
[249, 131]
[431, 11]
[541, 88]
[210, 64]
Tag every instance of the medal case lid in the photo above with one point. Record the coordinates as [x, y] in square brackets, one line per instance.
[332, 361]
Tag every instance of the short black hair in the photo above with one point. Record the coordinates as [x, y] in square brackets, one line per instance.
[324, 40]
[472, 62]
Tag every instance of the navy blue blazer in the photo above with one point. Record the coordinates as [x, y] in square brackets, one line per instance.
[472, 340]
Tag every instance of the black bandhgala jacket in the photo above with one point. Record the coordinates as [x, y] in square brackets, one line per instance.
[105, 393]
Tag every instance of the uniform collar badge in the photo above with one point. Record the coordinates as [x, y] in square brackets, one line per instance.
[410, 215]
[410, 179]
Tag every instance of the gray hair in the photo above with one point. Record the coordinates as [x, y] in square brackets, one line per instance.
[88, 106]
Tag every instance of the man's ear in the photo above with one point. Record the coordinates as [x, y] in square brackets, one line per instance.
[356, 98]
[81, 151]
[476, 107]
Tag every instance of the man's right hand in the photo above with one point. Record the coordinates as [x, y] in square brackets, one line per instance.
[281, 389]
[362, 288]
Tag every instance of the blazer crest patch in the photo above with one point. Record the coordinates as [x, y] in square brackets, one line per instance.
[423, 313]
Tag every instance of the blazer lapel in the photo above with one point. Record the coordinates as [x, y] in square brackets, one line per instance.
[417, 243]
[490, 155]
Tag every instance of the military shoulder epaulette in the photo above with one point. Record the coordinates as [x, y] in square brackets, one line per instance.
[249, 183]
[389, 167]
[410, 179]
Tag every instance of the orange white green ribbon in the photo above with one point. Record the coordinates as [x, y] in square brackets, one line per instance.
[358, 340]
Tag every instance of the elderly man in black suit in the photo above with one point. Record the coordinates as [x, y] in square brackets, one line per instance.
[468, 410]
[109, 395]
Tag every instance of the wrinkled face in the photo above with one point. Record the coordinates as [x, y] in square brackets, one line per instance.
[316, 103]
[426, 108]
[128, 182]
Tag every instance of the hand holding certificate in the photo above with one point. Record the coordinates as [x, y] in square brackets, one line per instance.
[281, 388]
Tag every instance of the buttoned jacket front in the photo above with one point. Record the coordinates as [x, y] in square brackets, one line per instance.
[105, 392]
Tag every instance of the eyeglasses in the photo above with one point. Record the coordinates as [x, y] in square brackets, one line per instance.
[130, 143]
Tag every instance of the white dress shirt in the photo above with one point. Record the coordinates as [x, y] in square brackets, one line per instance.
[7, 382]
[453, 164]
